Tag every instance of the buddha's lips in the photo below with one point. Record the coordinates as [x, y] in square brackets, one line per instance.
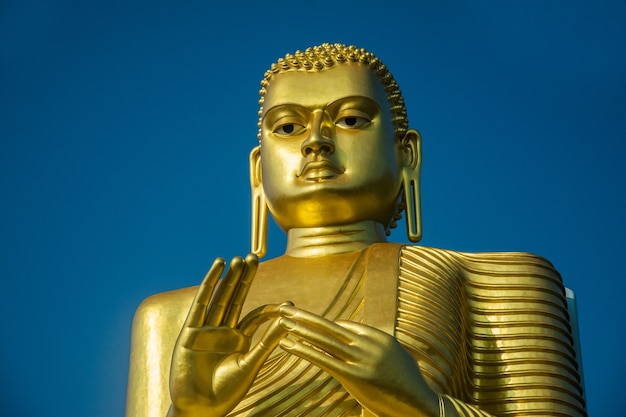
[315, 169]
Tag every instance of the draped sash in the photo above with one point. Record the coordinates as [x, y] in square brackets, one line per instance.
[489, 330]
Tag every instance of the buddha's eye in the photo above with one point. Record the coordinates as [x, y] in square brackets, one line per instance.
[352, 122]
[289, 129]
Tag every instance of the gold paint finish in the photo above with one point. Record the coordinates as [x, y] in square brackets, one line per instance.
[328, 172]
[346, 324]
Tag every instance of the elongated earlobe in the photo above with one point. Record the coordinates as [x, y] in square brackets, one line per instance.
[259, 205]
[411, 144]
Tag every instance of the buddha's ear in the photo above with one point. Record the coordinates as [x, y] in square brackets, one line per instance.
[411, 165]
[259, 205]
[411, 144]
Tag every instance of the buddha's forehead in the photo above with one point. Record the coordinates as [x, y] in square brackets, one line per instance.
[317, 89]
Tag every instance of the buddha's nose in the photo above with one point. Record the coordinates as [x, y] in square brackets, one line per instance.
[320, 139]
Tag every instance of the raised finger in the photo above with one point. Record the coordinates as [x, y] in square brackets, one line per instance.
[251, 322]
[318, 331]
[198, 309]
[262, 349]
[222, 298]
[241, 292]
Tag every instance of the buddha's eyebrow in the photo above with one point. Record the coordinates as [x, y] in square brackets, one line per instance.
[342, 100]
[331, 105]
[282, 106]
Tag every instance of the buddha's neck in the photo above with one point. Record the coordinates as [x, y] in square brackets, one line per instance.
[330, 240]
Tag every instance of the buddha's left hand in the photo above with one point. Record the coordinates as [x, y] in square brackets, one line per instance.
[369, 363]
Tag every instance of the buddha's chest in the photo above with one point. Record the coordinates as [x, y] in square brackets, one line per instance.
[313, 284]
[418, 304]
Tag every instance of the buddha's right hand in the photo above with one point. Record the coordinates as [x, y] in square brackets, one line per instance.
[213, 365]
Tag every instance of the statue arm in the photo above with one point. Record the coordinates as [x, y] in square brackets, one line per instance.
[213, 363]
[514, 337]
[370, 364]
[156, 325]
[172, 322]
[523, 358]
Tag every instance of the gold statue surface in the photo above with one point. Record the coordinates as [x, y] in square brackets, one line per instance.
[346, 323]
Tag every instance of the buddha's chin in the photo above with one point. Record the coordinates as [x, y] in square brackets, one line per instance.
[329, 208]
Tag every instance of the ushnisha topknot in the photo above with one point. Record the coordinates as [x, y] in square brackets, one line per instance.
[325, 56]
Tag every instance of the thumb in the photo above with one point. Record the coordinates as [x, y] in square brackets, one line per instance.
[256, 356]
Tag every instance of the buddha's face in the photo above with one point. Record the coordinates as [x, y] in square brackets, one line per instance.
[328, 154]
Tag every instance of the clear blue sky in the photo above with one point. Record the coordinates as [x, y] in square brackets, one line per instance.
[125, 128]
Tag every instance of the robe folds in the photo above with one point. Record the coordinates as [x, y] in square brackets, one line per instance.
[490, 331]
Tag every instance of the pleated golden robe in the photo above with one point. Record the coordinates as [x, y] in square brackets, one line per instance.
[489, 330]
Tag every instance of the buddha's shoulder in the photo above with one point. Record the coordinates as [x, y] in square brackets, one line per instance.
[168, 305]
[490, 267]
[488, 259]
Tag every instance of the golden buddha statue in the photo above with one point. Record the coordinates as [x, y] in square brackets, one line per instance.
[345, 323]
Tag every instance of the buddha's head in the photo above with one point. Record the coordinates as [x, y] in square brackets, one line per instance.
[335, 147]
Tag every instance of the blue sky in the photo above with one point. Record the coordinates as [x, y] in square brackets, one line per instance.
[125, 129]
